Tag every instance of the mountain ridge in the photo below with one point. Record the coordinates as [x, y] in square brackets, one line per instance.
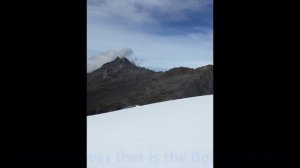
[120, 83]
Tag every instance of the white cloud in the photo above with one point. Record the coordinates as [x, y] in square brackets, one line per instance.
[115, 24]
[192, 50]
[141, 11]
[96, 60]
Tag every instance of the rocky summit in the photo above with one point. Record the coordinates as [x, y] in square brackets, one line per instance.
[121, 84]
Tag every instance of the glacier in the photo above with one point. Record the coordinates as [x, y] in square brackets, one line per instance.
[170, 134]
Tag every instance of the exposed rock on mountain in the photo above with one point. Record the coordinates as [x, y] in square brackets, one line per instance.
[120, 84]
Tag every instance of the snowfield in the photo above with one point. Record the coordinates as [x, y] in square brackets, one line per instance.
[171, 134]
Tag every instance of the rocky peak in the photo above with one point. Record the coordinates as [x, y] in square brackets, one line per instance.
[118, 69]
[122, 60]
[118, 62]
[120, 83]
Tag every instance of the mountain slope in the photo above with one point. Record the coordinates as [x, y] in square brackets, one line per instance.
[171, 134]
[120, 83]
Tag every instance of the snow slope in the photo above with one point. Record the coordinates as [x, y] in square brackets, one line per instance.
[171, 134]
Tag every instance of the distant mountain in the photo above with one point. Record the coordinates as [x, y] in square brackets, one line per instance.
[120, 84]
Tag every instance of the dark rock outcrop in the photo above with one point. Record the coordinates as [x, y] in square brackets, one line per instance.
[120, 84]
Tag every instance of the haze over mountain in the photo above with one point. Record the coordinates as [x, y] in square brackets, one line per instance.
[120, 83]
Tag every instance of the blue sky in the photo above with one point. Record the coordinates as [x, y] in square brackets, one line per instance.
[157, 34]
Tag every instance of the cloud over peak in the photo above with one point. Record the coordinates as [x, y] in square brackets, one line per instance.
[163, 33]
[98, 59]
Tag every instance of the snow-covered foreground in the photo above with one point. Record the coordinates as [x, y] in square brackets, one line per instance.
[172, 134]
